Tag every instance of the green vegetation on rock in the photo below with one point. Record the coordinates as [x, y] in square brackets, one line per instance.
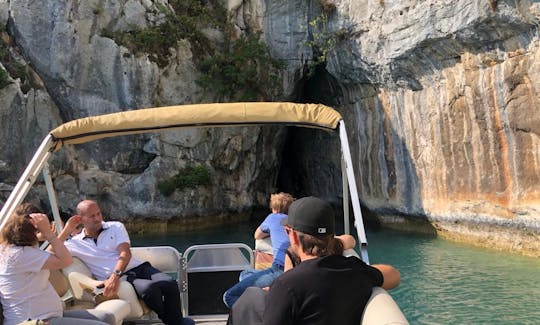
[184, 19]
[12, 68]
[245, 71]
[323, 40]
[4, 81]
[239, 69]
[188, 177]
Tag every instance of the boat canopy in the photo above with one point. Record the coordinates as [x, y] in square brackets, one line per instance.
[198, 115]
[190, 116]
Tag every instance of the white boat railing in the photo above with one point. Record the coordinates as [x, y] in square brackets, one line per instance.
[27, 179]
[349, 171]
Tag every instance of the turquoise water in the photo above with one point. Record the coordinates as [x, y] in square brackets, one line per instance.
[442, 282]
[448, 283]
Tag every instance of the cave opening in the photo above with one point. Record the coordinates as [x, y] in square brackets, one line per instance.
[310, 162]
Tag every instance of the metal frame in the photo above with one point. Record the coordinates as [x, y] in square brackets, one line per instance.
[191, 251]
[27, 179]
[53, 200]
[358, 220]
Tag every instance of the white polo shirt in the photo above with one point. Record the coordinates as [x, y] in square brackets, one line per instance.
[101, 255]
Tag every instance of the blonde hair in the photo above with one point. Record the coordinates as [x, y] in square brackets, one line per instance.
[281, 202]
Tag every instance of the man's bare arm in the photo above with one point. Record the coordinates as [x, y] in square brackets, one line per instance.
[391, 275]
[347, 240]
[113, 282]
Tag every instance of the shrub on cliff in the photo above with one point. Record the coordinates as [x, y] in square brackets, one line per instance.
[244, 71]
[4, 80]
[188, 177]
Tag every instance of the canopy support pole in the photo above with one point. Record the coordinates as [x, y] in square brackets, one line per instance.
[53, 200]
[346, 212]
[27, 179]
[358, 220]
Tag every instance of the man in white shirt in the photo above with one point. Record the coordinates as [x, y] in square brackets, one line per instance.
[105, 248]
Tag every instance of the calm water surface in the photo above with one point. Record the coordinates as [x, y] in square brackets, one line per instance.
[442, 282]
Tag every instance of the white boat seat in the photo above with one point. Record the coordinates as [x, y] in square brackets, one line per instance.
[118, 308]
[59, 282]
[264, 245]
[167, 259]
[381, 309]
[264, 255]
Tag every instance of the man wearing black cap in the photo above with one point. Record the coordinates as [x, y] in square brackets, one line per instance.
[326, 287]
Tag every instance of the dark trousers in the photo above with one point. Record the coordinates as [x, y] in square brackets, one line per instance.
[249, 308]
[158, 290]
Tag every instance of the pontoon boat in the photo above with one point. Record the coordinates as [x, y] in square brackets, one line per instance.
[204, 272]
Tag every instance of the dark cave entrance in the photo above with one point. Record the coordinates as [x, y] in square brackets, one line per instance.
[311, 158]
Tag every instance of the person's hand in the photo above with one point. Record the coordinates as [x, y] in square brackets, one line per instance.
[111, 285]
[41, 237]
[43, 226]
[266, 288]
[53, 227]
[73, 223]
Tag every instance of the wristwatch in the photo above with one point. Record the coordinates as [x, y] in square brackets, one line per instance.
[118, 273]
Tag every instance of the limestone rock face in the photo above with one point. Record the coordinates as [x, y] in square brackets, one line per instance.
[441, 100]
[449, 124]
[26, 118]
[87, 73]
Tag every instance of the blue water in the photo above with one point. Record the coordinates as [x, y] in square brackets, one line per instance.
[442, 282]
[448, 283]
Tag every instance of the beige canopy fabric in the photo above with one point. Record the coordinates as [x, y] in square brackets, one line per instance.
[198, 115]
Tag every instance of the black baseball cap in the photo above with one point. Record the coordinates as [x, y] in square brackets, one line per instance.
[311, 215]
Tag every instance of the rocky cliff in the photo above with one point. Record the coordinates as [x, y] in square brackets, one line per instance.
[441, 100]
[445, 109]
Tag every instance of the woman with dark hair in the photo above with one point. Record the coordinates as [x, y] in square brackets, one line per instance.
[25, 290]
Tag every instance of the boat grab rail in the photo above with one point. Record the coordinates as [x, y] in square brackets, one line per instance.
[201, 256]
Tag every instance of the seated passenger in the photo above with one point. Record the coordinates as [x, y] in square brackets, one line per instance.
[25, 290]
[271, 226]
[325, 288]
[104, 246]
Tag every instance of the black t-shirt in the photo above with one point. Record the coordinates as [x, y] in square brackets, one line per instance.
[325, 290]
